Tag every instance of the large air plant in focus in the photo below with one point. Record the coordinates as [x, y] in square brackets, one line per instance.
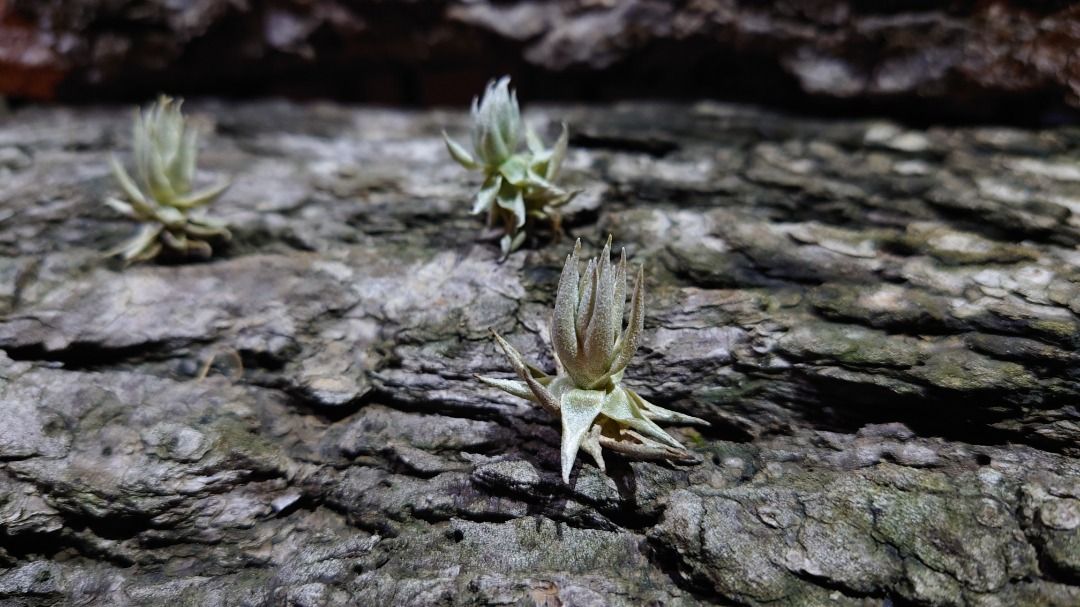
[161, 196]
[592, 350]
[519, 182]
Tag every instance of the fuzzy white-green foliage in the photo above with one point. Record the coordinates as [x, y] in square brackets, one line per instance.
[519, 170]
[161, 195]
[593, 349]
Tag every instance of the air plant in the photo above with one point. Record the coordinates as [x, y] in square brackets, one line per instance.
[592, 350]
[518, 185]
[161, 196]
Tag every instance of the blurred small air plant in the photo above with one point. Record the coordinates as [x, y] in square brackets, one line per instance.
[519, 184]
[161, 196]
[592, 349]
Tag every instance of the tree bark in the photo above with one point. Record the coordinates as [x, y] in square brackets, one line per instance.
[880, 324]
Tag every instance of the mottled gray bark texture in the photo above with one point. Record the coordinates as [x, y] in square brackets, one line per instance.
[1007, 60]
[880, 323]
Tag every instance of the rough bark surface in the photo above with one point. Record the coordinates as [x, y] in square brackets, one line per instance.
[1008, 60]
[880, 323]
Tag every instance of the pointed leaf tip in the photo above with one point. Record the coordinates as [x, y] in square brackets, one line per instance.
[558, 154]
[578, 409]
[458, 152]
[543, 396]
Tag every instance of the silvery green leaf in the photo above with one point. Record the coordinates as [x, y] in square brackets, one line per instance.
[538, 164]
[140, 148]
[599, 334]
[475, 133]
[535, 180]
[493, 149]
[160, 188]
[656, 412]
[497, 123]
[561, 385]
[517, 240]
[202, 197]
[543, 396]
[485, 198]
[184, 165]
[619, 296]
[628, 342]
[138, 244]
[563, 334]
[150, 251]
[532, 141]
[126, 184]
[514, 388]
[578, 409]
[510, 199]
[617, 405]
[558, 154]
[585, 302]
[205, 228]
[167, 122]
[514, 122]
[459, 153]
[621, 405]
[120, 207]
[207, 222]
[508, 114]
[591, 445]
[170, 217]
[515, 170]
[170, 135]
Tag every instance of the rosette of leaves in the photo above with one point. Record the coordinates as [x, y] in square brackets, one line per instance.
[519, 170]
[161, 196]
[592, 350]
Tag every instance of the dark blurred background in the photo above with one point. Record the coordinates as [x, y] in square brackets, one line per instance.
[916, 60]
